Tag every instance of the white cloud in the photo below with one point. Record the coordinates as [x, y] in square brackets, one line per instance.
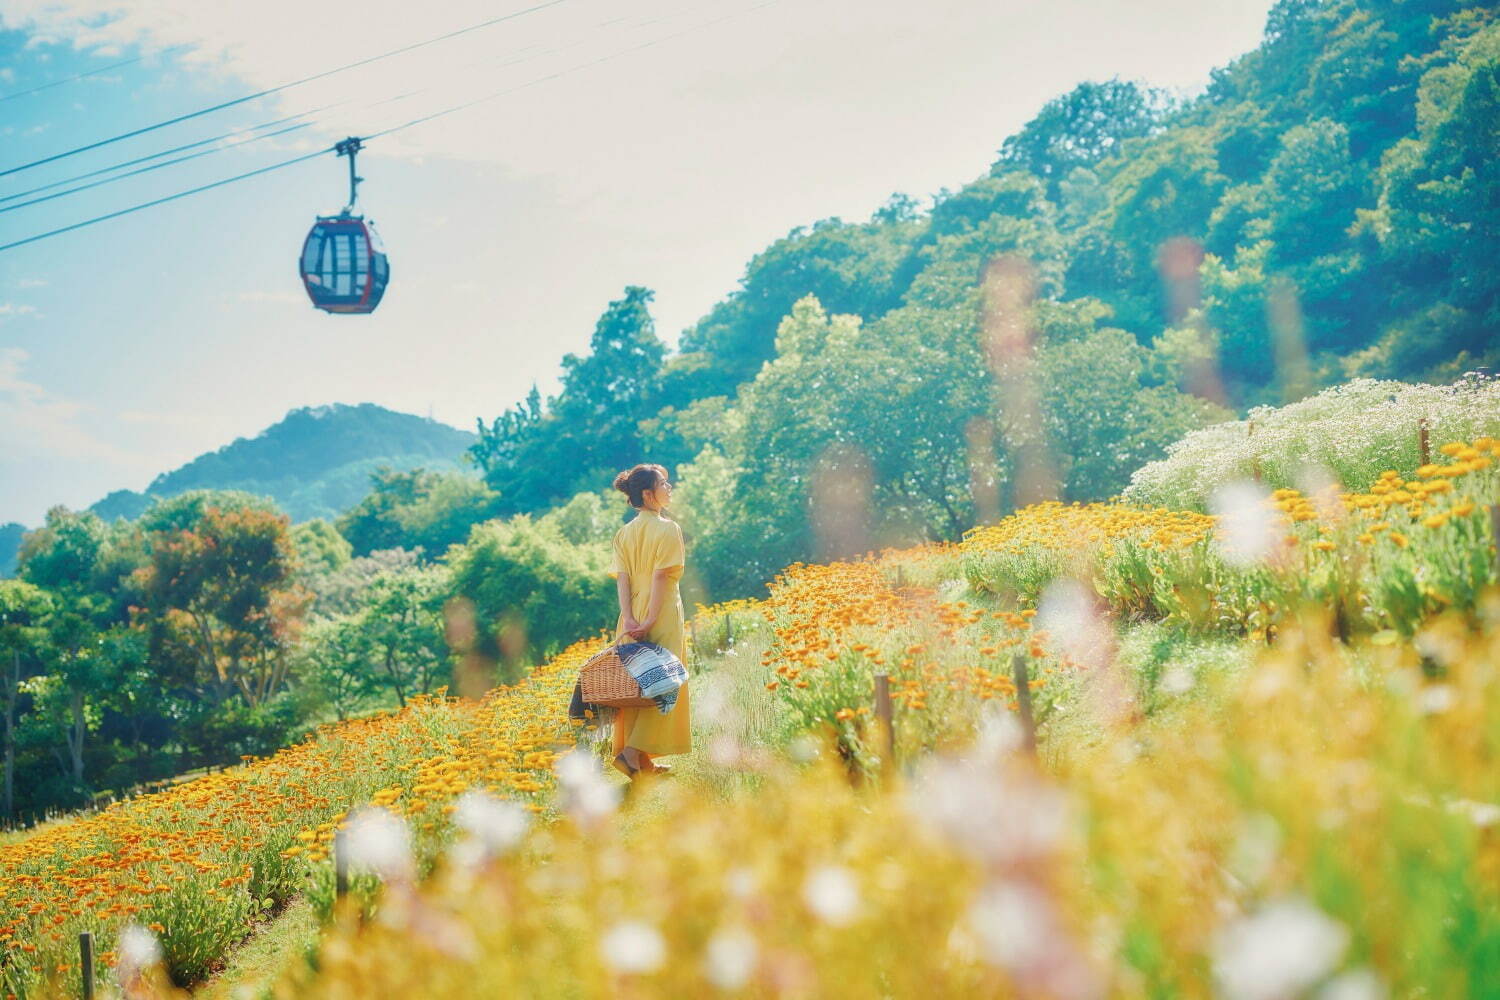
[15, 310]
[25, 283]
[35, 422]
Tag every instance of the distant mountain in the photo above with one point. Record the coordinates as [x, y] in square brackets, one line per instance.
[10, 543]
[316, 462]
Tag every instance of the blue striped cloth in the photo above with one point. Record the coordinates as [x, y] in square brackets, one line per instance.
[656, 669]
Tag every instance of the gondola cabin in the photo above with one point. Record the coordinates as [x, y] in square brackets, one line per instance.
[344, 266]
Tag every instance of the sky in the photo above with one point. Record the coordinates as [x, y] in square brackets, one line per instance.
[614, 142]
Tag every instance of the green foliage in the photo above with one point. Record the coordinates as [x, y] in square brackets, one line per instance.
[420, 509]
[1080, 128]
[531, 591]
[10, 547]
[320, 548]
[217, 593]
[534, 457]
[1101, 420]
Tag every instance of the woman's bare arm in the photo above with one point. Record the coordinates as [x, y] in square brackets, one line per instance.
[622, 588]
[660, 584]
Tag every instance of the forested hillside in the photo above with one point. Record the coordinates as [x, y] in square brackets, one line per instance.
[315, 462]
[1327, 209]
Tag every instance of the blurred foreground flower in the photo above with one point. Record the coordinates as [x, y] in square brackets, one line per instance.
[730, 958]
[633, 946]
[1247, 522]
[138, 951]
[832, 895]
[1278, 951]
[379, 842]
[587, 795]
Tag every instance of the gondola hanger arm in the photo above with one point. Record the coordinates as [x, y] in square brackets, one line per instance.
[350, 147]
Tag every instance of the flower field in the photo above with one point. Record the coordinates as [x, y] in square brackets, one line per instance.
[1189, 812]
[198, 864]
[1352, 861]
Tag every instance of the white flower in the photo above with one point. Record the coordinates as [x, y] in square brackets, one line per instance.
[1000, 733]
[376, 840]
[633, 946]
[1013, 923]
[1278, 951]
[136, 951]
[739, 882]
[802, 749]
[586, 794]
[730, 958]
[1437, 698]
[995, 814]
[1247, 523]
[1067, 610]
[496, 824]
[832, 894]
[1177, 679]
[1356, 984]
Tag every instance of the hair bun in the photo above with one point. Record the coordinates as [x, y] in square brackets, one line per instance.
[621, 480]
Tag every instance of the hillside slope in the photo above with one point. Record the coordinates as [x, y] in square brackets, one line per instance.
[315, 462]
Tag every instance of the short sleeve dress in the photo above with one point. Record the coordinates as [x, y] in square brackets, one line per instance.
[646, 543]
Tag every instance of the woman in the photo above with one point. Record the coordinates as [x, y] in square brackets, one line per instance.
[648, 562]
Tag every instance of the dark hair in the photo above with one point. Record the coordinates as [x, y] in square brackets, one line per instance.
[634, 482]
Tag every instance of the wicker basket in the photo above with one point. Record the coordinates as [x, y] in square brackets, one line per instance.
[605, 681]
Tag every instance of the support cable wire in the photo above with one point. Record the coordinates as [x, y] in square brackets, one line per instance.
[243, 131]
[154, 166]
[285, 86]
[384, 132]
[168, 152]
[171, 197]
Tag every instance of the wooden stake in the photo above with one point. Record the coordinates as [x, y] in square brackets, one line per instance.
[728, 630]
[86, 963]
[1023, 700]
[340, 863]
[1423, 448]
[1495, 534]
[884, 717]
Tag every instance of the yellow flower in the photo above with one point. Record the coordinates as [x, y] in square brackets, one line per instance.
[1399, 539]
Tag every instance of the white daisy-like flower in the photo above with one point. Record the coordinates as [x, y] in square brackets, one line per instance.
[730, 958]
[136, 950]
[633, 946]
[1278, 951]
[378, 841]
[832, 894]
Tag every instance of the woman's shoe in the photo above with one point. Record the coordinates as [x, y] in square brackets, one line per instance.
[623, 766]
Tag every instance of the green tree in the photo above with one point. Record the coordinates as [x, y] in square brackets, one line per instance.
[531, 591]
[419, 509]
[24, 611]
[220, 598]
[1080, 128]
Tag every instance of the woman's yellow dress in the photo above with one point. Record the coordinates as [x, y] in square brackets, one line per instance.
[649, 542]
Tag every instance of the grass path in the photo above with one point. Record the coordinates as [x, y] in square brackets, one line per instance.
[255, 965]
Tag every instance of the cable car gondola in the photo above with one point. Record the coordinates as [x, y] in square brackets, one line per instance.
[343, 265]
